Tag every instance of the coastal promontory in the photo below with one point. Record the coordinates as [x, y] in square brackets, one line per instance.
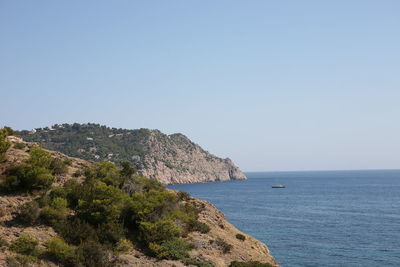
[171, 159]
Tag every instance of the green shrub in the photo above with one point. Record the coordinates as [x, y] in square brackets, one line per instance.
[123, 246]
[8, 131]
[172, 249]
[92, 253]
[153, 205]
[29, 213]
[187, 215]
[226, 248]
[249, 264]
[19, 146]
[4, 144]
[158, 231]
[140, 184]
[43, 200]
[9, 183]
[25, 244]
[27, 178]
[240, 237]
[106, 172]
[59, 192]
[58, 203]
[186, 212]
[102, 203]
[110, 233]
[73, 191]
[57, 211]
[75, 231]
[196, 226]
[61, 252]
[67, 162]
[34, 174]
[39, 157]
[58, 167]
[37, 178]
[127, 171]
[22, 260]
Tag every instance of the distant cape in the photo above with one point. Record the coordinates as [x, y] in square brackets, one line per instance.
[171, 159]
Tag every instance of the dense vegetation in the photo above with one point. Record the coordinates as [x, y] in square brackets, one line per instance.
[95, 142]
[4, 144]
[109, 212]
[36, 173]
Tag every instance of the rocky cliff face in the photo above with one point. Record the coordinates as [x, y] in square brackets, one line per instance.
[171, 159]
[176, 159]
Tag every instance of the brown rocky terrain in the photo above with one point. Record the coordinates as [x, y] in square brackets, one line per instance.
[182, 161]
[206, 245]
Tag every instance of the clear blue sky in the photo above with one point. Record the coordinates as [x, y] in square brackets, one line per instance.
[274, 85]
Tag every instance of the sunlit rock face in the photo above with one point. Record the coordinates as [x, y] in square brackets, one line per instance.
[174, 159]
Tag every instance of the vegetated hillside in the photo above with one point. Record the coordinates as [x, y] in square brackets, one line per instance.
[171, 159]
[57, 210]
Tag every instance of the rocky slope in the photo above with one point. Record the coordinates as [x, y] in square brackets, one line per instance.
[206, 247]
[178, 160]
[171, 159]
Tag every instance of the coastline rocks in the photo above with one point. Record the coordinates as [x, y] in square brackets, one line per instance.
[174, 159]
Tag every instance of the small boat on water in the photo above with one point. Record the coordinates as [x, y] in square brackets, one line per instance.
[278, 186]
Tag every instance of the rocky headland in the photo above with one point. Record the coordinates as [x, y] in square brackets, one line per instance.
[171, 159]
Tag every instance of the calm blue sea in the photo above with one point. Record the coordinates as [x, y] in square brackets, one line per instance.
[321, 218]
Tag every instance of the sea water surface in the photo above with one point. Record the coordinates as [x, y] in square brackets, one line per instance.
[321, 218]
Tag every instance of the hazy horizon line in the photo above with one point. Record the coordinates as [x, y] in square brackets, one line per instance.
[338, 170]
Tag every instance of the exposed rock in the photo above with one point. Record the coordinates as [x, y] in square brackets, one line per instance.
[182, 161]
[207, 248]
